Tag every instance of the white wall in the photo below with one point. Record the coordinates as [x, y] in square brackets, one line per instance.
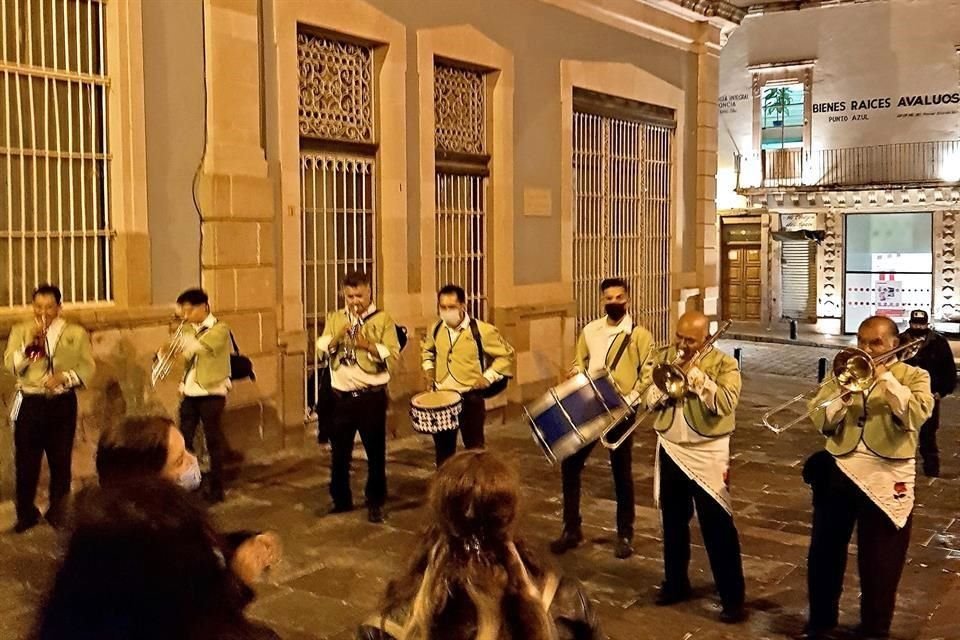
[883, 50]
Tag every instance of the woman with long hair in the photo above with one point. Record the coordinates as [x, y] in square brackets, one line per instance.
[144, 564]
[470, 578]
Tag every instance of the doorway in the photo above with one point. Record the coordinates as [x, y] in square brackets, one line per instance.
[740, 272]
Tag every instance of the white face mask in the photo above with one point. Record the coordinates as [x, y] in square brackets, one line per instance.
[451, 317]
[190, 478]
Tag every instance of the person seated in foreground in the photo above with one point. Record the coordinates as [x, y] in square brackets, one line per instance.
[140, 448]
[144, 563]
[470, 578]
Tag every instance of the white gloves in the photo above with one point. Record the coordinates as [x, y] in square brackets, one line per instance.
[651, 396]
[696, 379]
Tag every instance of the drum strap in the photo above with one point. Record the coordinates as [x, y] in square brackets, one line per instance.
[623, 347]
[475, 331]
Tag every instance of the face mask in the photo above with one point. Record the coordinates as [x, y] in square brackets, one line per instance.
[451, 317]
[615, 310]
[190, 478]
[918, 333]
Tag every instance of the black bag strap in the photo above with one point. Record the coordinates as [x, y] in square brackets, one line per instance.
[436, 330]
[475, 330]
[233, 341]
[623, 347]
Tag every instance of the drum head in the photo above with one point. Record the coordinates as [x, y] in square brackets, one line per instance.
[435, 399]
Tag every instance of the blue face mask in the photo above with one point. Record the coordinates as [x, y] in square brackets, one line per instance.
[190, 478]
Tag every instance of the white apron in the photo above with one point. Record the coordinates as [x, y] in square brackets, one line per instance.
[704, 460]
[888, 483]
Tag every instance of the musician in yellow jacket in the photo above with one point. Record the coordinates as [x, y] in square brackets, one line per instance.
[50, 359]
[362, 346]
[865, 477]
[467, 355]
[693, 456]
[612, 342]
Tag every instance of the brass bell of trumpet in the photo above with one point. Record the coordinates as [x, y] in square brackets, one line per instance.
[167, 356]
[37, 349]
[854, 371]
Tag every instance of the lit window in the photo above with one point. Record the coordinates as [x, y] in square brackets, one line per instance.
[781, 121]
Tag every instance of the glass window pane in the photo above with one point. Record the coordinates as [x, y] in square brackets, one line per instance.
[893, 295]
[889, 242]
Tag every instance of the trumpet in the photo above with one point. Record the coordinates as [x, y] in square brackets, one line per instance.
[671, 379]
[349, 356]
[854, 371]
[163, 362]
[37, 349]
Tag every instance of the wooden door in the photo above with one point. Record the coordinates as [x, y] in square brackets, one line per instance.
[740, 280]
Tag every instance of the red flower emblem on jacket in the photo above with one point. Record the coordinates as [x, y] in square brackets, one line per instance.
[900, 490]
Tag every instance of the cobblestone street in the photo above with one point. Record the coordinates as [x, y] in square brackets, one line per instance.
[778, 359]
[335, 567]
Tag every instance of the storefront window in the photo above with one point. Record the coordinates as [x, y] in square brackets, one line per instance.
[889, 266]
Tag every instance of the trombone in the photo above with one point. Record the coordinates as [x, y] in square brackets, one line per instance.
[671, 379]
[163, 363]
[854, 371]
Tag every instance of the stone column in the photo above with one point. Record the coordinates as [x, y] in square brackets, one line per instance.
[238, 256]
[707, 51]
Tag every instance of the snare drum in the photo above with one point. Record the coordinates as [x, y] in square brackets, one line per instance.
[435, 411]
[575, 413]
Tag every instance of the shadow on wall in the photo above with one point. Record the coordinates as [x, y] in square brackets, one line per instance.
[121, 387]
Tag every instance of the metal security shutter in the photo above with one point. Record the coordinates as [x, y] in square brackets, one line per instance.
[798, 273]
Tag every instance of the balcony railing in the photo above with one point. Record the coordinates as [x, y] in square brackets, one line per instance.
[888, 164]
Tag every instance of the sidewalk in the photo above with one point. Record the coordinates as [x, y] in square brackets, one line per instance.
[780, 334]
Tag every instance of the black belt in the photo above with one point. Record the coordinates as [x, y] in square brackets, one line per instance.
[356, 393]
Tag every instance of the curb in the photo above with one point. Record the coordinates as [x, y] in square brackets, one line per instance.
[802, 342]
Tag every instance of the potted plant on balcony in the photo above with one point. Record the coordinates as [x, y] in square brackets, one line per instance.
[776, 102]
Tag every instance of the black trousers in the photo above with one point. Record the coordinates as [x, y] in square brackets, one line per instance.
[365, 413]
[621, 461]
[207, 410]
[45, 425]
[838, 505]
[472, 416]
[678, 496]
[928, 440]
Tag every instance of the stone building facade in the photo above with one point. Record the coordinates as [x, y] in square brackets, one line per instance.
[259, 148]
[839, 163]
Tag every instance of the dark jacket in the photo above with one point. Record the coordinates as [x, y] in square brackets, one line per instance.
[571, 611]
[936, 358]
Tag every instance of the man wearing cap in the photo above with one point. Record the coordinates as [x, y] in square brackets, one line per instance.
[936, 358]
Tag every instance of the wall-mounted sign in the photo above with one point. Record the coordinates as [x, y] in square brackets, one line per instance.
[906, 106]
[731, 102]
[798, 221]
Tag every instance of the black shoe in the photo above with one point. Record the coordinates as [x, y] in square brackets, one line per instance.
[733, 615]
[56, 519]
[339, 508]
[817, 631]
[375, 515]
[670, 594]
[23, 526]
[624, 548]
[569, 539]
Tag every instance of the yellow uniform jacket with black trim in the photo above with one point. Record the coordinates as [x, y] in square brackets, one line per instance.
[461, 359]
[725, 373]
[378, 328]
[883, 433]
[634, 364]
[213, 359]
[71, 353]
